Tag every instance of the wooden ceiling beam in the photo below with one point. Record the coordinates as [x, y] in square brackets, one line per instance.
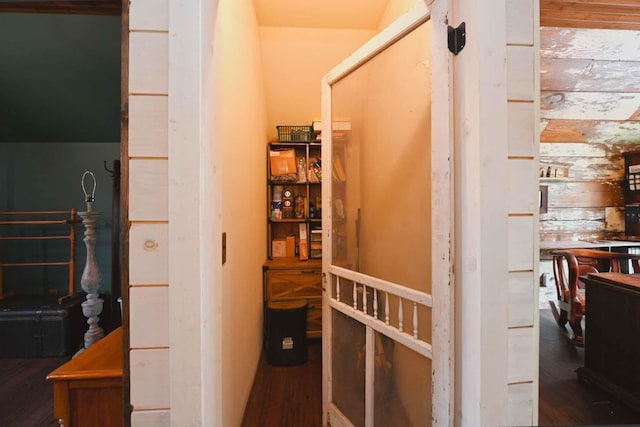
[81, 7]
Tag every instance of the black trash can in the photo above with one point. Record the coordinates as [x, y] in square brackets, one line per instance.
[286, 337]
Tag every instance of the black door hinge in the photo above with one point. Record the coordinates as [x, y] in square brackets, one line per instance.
[457, 38]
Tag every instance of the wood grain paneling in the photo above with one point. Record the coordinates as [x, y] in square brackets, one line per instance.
[148, 132]
[158, 418]
[592, 168]
[605, 45]
[148, 308]
[590, 99]
[614, 14]
[561, 73]
[521, 171]
[573, 214]
[520, 22]
[587, 194]
[581, 149]
[150, 378]
[520, 73]
[521, 354]
[521, 297]
[521, 243]
[581, 223]
[605, 76]
[588, 105]
[521, 128]
[149, 247]
[148, 63]
[149, 15]
[520, 403]
[577, 130]
[148, 182]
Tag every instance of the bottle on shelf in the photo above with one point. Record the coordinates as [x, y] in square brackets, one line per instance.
[287, 204]
[302, 174]
[299, 206]
[276, 202]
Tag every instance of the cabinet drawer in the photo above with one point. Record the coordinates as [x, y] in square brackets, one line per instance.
[291, 284]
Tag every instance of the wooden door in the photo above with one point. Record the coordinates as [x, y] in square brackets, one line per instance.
[387, 227]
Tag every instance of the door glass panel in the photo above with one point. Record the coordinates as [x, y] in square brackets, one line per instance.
[381, 170]
[348, 367]
[381, 226]
[402, 387]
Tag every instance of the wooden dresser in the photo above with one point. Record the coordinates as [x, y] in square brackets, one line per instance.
[87, 390]
[287, 279]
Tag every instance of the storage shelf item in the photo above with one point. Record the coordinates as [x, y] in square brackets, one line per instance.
[294, 133]
[293, 193]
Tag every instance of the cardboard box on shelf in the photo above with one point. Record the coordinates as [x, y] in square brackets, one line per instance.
[278, 248]
[303, 248]
[283, 162]
[291, 245]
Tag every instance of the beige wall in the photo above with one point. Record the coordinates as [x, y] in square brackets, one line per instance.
[242, 133]
[394, 9]
[294, 60]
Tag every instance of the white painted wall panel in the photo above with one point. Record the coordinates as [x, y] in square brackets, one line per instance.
[521, 198]
[148, 190]
[148, 63]
[148, 254]
[148, 126]
[520, 404]
[149, 378]
[596, 44]
[589, 105]
[521, 298]
[149, 316]
[521, 128]
[161, 418]
[149, 15]
[521, 355]
[520, 22]
[521, 244]
[520, 73]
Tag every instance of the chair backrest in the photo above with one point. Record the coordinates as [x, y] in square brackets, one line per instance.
[39, 226]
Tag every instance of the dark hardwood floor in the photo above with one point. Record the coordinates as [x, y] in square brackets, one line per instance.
[26, 397]
[563, 399]
[291, 396]
[287, 396]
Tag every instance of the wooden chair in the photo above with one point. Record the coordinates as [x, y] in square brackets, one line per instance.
[42, 219]
[568, 266]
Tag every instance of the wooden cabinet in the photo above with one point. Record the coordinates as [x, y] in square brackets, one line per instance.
[290, 279]
[88, 390]
[612, 348]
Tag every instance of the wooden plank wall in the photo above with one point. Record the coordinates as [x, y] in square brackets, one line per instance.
[612, 14]
[589, 101]
[149, 212]
[522, 112]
